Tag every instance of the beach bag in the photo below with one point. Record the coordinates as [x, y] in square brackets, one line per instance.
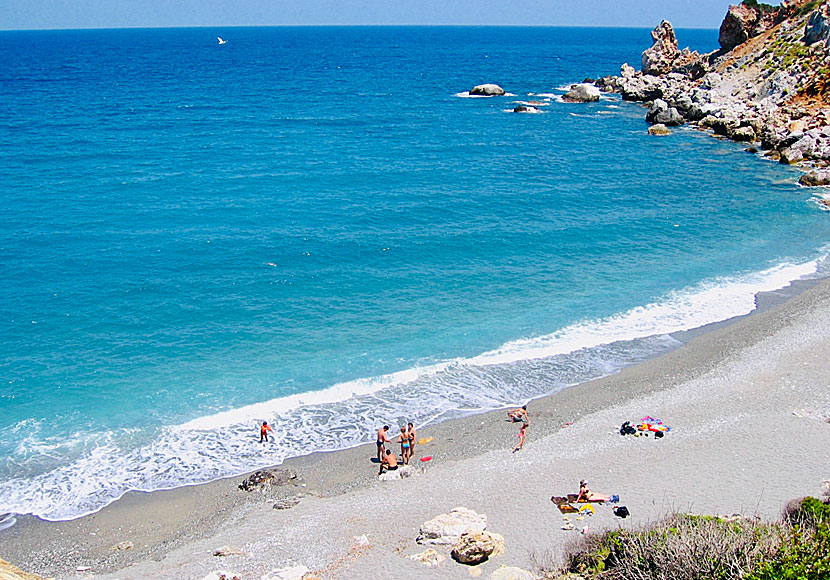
[621, 511]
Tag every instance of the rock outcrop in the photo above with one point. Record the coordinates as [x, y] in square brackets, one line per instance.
[774, 91]
[582, 93]
[487, 90]
[476, 547]
[659, 129]
[815, 178]
[818, 26]
[446, 528]
[745, 21]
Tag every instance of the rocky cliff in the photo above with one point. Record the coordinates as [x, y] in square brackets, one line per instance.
[769, 83]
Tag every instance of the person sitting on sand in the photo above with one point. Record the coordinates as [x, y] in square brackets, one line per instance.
[522, 434]
[382, 438]
[519, 414]
[263, 431]
[404, 440]
[586, 494]
[390, 462]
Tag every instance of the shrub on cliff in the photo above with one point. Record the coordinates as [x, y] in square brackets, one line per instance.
[806, 551]
[690, 547]
[760, 6]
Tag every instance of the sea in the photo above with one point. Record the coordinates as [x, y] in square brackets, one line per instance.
[320, 228]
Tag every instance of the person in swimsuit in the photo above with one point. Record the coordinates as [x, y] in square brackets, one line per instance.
[382, 438]
[263, 431]
[412, 436]
[586, 494]
[404, 440]
[519, 414]
[522, 434]
[389, 463]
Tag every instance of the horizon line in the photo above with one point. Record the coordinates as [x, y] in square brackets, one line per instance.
[364, 25]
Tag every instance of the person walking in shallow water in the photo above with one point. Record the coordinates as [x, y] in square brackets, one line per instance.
[263, 431]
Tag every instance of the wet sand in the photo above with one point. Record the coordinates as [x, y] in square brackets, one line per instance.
[747, 401]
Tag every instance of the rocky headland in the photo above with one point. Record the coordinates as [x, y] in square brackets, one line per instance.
[767, 85]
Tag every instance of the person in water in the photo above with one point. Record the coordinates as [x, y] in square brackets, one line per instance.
[382, 439]
[522, 435]
[389, 463]
[519, 414]
[263, 431]
[405, 445]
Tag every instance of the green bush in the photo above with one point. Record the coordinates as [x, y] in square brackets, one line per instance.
[691, 547]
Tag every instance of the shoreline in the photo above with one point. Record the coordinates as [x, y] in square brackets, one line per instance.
[159, 523]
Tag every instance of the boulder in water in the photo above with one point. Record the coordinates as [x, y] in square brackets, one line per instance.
[487, 90]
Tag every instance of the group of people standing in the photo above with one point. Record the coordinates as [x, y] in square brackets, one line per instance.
[388, 460]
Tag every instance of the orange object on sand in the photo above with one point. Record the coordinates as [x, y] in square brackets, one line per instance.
[427, 458]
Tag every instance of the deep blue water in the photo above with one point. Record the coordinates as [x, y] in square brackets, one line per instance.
[191, 234]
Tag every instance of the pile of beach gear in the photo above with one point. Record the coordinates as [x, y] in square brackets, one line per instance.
[644, 427]
[569, 505]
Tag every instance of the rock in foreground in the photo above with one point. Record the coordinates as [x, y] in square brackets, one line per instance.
[446, 528]
[511, 573]
[11, 572]
[476, 547]
[266, 478]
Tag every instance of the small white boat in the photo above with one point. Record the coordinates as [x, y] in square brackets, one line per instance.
[221, 40]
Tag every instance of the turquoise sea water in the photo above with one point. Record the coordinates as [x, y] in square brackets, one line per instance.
[317, 227]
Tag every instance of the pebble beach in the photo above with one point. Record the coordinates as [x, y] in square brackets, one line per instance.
[748, 404]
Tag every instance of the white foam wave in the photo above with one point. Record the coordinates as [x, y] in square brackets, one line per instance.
[709, 302]
[345, 415]
[467, 95]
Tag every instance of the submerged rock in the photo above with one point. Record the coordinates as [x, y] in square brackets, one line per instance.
[446, 528]
[487, 90]
[525, 109]
[659, 129]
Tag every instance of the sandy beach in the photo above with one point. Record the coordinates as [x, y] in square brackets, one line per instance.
[748, 404]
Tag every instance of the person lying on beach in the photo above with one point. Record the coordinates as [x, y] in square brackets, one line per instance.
[586, 494]
[382, 438]
[522, 434]
[405, 445]
[263, 431]
[389, 463]
[519, 414]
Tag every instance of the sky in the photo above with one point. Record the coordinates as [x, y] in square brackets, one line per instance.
[40, 14]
